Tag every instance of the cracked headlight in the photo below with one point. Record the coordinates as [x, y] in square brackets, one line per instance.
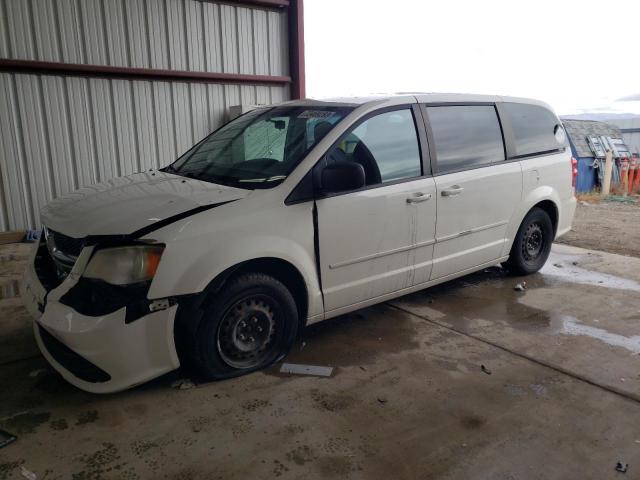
[124, 265]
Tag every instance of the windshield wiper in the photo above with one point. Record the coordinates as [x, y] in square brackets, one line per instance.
[224, 180]
[169, 168]
[262, 180]
[218, 179]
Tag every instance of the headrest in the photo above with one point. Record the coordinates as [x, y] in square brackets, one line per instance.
[320, 130]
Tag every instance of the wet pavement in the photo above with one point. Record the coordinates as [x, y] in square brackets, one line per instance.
[408, 398]
[573, 316]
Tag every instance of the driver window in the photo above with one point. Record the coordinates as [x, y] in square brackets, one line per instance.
[385, 145]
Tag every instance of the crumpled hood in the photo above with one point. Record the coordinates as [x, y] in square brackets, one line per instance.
[124, 205]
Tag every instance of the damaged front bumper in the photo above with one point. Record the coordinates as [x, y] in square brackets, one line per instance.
[97, 353]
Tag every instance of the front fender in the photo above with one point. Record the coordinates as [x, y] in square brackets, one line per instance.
[206, 245]
[195, 274]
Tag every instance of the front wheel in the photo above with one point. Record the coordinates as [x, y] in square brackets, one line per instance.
[532, 244]
[250, 324]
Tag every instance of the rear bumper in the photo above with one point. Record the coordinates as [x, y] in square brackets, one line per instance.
[567, 211]
[100, 354]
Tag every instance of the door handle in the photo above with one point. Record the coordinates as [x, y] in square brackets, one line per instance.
[419, 197]
[450, 192]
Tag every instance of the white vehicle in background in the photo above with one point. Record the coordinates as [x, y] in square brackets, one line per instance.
[286, 216]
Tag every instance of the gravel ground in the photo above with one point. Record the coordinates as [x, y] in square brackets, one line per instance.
[608, 226]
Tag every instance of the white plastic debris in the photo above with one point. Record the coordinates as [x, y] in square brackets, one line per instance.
[299, 369]
[183, 384]
[29, 475]
[35, 373]
[520, 287]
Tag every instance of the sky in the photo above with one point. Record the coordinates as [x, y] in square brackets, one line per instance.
[575, 55]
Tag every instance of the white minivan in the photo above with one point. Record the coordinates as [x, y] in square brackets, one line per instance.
[288, 215]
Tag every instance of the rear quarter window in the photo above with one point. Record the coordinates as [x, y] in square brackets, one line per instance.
[533, 128]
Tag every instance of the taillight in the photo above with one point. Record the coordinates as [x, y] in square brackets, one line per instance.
[574, 171]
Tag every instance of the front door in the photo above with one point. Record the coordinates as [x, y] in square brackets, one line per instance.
[477, 191]
[369, 239]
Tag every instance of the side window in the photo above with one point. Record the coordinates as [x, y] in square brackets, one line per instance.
[465, 136]
[385, 145]
[534, 128]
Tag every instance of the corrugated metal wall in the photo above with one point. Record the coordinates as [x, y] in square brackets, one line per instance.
[630, 128]
[59, 133]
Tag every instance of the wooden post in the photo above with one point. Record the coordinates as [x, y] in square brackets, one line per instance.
[625, 176]
[608, 166]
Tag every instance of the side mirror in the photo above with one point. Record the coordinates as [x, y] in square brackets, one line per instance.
[342, 177]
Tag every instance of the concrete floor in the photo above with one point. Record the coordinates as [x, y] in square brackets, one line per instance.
[407, 398]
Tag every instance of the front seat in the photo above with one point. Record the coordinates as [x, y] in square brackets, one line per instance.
[320, 130]
[363, 156]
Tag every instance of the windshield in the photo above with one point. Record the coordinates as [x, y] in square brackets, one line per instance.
[259, 149]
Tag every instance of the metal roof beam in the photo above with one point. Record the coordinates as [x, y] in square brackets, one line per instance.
[107, 71]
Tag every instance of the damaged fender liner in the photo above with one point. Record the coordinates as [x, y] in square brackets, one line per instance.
[95, 298]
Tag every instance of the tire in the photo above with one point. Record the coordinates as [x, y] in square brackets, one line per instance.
[532, 244]
[248, 325]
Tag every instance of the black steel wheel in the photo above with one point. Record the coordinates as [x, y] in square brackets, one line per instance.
[248, 331]
[248, 325]
[532, 244]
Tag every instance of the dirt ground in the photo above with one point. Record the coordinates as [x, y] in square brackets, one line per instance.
[469, 379]
[608, 226]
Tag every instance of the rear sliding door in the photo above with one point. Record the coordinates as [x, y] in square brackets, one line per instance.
[477, 190]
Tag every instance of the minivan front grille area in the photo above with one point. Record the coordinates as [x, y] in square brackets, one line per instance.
[75, 363]
[68, 245]
[46, 269]
[64, 250]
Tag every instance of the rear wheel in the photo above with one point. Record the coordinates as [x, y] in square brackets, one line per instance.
[250, 324]
[532, 244]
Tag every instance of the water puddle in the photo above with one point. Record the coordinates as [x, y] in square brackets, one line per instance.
[563, 267]
[572, 326]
